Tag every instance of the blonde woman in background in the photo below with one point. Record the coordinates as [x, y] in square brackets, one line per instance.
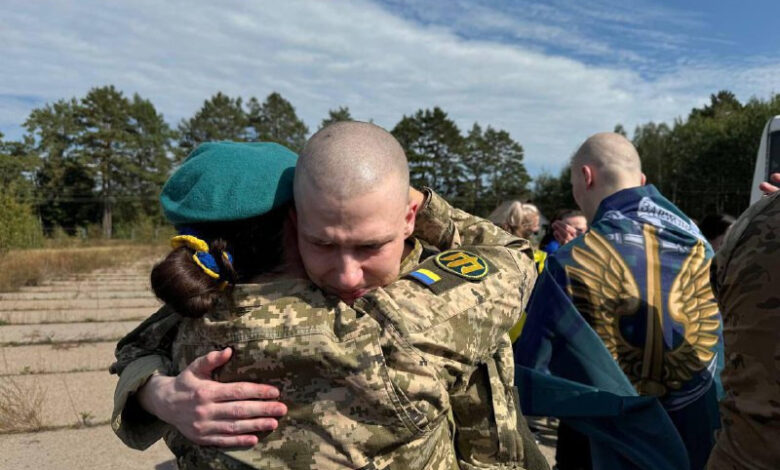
[518, 218]
[521, 219]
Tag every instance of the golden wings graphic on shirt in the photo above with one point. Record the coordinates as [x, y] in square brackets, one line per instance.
[605, 290]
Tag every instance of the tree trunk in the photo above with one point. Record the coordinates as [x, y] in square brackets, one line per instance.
[107, 209]
[107, 217]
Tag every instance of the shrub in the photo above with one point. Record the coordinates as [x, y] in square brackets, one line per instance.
[19, 227]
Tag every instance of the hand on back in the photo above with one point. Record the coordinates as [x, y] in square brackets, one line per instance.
[212, 413]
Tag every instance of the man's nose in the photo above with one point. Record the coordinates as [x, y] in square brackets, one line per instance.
[350, 273]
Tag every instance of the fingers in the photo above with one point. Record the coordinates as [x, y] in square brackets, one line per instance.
[563, 232]
[237, 391]
[767, 188]
[235, 430]
[204, 365]
[775, 178]
[248, 410]
[245, 440]
[235, 427]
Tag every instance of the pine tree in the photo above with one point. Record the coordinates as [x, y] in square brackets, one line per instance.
[338, 115]
[510, 179]
[17, 166]
[64, 184]
[275, 121]
[434, 149]
[124, 143]
[220, 118]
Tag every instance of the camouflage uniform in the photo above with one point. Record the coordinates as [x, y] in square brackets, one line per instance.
[381, 384]
[746, 277]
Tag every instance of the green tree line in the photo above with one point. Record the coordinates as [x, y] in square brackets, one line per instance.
[99, 161]
[703, 163]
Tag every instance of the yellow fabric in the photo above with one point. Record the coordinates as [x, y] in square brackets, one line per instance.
[540, 257]
[517, 330]
[206, 270]
[190, 241]
[432, 275]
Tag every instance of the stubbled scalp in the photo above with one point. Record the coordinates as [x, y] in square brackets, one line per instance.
[611, 154]
[347, 159]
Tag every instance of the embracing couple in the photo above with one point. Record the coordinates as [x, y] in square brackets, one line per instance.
[320, 313]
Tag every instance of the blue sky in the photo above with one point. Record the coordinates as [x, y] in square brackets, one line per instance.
[551, 73]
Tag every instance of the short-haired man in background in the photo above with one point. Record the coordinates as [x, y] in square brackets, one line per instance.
[640, 277]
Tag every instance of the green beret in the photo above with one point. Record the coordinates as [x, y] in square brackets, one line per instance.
[229, 181]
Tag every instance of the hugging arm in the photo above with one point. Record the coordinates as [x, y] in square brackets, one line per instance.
[147, 399]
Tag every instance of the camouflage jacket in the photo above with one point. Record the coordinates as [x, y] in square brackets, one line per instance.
[746, 278]
[383, 383]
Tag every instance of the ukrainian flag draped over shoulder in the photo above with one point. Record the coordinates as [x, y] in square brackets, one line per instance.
[586, 386]
[627, 308]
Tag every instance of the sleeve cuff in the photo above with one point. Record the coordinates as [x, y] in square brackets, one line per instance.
[136, 427]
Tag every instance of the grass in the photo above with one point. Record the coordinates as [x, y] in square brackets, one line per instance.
[20, 407]
[31, 267]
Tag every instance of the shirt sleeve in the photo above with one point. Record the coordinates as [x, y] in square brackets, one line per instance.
[445, 227]
[145, 351]
[136, 427]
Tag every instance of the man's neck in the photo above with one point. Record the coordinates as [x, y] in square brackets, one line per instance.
[610, 200]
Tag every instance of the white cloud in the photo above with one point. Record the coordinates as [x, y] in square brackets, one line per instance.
[322, 55]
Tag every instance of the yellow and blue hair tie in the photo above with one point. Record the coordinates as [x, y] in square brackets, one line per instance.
[202, 257]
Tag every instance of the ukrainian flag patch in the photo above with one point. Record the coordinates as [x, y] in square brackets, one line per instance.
[425, 276]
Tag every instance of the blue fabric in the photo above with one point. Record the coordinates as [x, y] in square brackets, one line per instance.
[551, 247]
[207, 259]
[632, 277]
[564, 370]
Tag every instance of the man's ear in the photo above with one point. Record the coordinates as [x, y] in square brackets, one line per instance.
[410, 216]
[644, 180]
[587, 176]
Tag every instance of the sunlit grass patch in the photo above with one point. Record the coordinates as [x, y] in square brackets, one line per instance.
[31, 267]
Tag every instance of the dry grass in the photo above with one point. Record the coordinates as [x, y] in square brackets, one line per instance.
[20, 407]
[31, 267]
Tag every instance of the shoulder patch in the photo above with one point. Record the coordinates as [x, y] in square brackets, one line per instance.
[425, 276]
[463, 264]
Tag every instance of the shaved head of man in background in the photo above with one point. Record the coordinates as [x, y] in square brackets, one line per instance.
[353, 209]
[612, 277]
[603, 165]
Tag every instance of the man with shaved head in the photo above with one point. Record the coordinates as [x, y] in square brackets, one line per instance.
[640, 277]
[359, 229]
[353, 209]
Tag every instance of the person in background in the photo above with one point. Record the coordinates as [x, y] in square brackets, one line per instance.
[521, 219]
[745, 276]
[715, 227]
[518, 218]
[640, 278]
[567, 225]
